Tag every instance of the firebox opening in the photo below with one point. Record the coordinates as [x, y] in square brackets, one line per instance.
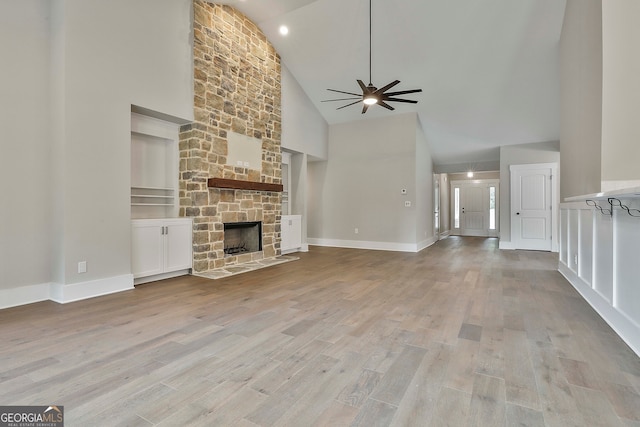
[242, 238]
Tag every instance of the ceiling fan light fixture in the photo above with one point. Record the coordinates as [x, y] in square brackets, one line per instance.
[370, 99]
[371, 95]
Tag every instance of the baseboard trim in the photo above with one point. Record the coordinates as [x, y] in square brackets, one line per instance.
[506, 245]
[24, 295]
[63, 294]
[304, 247]
[377, 246]
[445, 234]
[626, 328]
[155, 278]
[426, 243]
[94, 288]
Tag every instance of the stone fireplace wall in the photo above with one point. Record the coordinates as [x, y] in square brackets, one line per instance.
[236, 89]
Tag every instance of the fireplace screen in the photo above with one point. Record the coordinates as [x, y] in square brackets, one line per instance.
[242, 237]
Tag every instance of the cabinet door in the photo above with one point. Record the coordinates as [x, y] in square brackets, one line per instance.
[285, 233]
[291, 232]
[296, 231]
[177, 249]
[147, 256]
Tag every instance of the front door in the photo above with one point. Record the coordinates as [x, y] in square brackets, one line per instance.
[531, 209]
[474, 208]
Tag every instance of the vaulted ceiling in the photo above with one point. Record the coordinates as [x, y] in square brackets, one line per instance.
[489, 69]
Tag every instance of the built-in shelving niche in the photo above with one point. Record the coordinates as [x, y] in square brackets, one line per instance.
[154, 167]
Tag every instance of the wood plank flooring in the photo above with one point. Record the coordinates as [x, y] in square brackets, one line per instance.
[460, 334]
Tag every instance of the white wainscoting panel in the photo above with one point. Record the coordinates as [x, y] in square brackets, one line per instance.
[600, 257]
[603, 253]
[626, 251]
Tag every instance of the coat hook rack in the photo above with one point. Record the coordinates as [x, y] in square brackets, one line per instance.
[616, 203]
[602, 210]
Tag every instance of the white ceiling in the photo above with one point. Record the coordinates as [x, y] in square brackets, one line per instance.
[489, 69]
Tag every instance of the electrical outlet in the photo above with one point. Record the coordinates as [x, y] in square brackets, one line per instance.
[407, 204]
[82, 267]
[355, 231]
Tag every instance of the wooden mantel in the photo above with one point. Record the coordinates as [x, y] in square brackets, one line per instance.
[243, 185]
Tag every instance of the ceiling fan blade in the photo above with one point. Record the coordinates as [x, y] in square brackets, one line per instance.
[364, 108]
[409, 101]
[403, 92]
[348, 93]
[387, 87]
[339, 108]
[364, 88]
[340, 99]
[385, 105]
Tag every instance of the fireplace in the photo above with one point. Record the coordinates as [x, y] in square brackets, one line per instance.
[242, 237]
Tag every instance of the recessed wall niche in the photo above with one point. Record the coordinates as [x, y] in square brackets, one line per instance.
[237, 119]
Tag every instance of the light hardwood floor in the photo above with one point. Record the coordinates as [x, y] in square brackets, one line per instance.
[458, 334]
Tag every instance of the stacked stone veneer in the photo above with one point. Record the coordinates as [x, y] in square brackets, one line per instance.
[236, 89]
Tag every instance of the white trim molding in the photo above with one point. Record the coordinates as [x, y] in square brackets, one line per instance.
[378, 246]
[83, 290]
[24, 295]
[506, 245]
[63, 294]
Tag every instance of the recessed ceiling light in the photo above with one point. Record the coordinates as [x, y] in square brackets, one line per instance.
[470, 174]
[284, 30]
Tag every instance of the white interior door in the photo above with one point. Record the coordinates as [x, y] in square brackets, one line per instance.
[474, 207]
[531, 207]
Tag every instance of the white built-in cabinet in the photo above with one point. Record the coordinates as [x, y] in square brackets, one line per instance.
[161, 243]
[160, 246]
[290, 233]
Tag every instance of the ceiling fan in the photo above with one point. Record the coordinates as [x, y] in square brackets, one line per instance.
[371, 95]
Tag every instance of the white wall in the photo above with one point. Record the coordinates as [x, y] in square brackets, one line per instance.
[25, 154]
[539, 152]
[304, 130]
[445, 194]
[359, 186]
[620, 93]
[105, 57]
[117, 53]
[305, 134]
[581, 98]
[424, 198]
